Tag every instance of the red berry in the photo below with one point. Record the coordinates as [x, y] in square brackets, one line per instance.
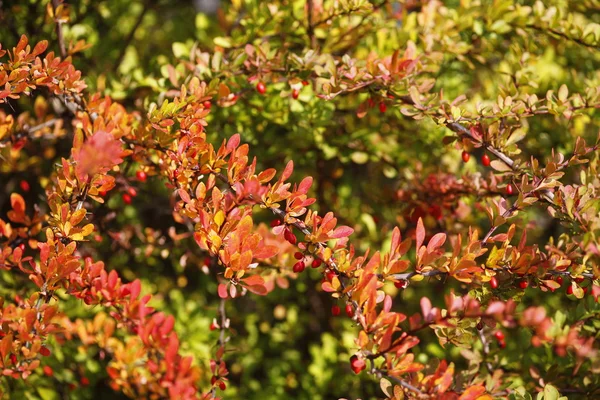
[400, 284]
[494, 282]
[22, 246]
[132, 192]
[509, 189]
[13, 358]
[48, 370]
[275, 222]
[479, 326]
[382, 107]
[222, 385]
[207, 104]
[335, 310]
[24, 186]
[357, 364]
[213, 380]
[304, 83]
[330, 275]
[499, 335]
[579, 279]
[559, 280]
[298, 255]
[485, 160]
[570, 289]
[141, 176]
[349, 310]
[316, 263]
[212, 326]
[466, 156]
[102, 193]
[295, 93]
[523, 285]
[585, 290]
[299, 267]
[126, 198]
[502, 344]
[84, 381]
[289, 236]
[261, 88]
[44, 351]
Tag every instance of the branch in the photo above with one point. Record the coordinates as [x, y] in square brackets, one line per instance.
[59, 33]
[486, 351]
[381, 374]
[310, 29]
[563, 35]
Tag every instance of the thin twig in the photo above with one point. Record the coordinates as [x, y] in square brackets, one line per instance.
[59, 32]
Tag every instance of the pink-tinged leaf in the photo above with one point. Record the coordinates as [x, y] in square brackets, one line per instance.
[436, 242]
[341, 232]
[496, 307]
[305, 185]
[420, 233]
[327, 287]
[112, 279]
[135, 288]
[287, 172]
[222, 290]
[233, 142]
[425, 306]
[184, 195]
[387, 303]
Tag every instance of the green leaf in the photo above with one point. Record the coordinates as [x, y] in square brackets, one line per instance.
[179, 49]
[48, 393]
[550, 393]
[223, 41]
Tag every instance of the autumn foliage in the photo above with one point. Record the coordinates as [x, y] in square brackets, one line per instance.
[467, 268]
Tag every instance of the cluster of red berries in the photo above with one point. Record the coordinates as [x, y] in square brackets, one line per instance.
[336, 310]
[485, 159]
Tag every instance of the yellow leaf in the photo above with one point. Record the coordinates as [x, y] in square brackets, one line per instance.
[219, 218]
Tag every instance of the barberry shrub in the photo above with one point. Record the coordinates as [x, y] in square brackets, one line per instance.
[303, 199]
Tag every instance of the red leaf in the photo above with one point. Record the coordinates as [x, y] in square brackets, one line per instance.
[420, 233]
[266, 252]
[396, 239]
[254, 280]
[258, 289]
[472, 393]
[40, 47]
[436, 242]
